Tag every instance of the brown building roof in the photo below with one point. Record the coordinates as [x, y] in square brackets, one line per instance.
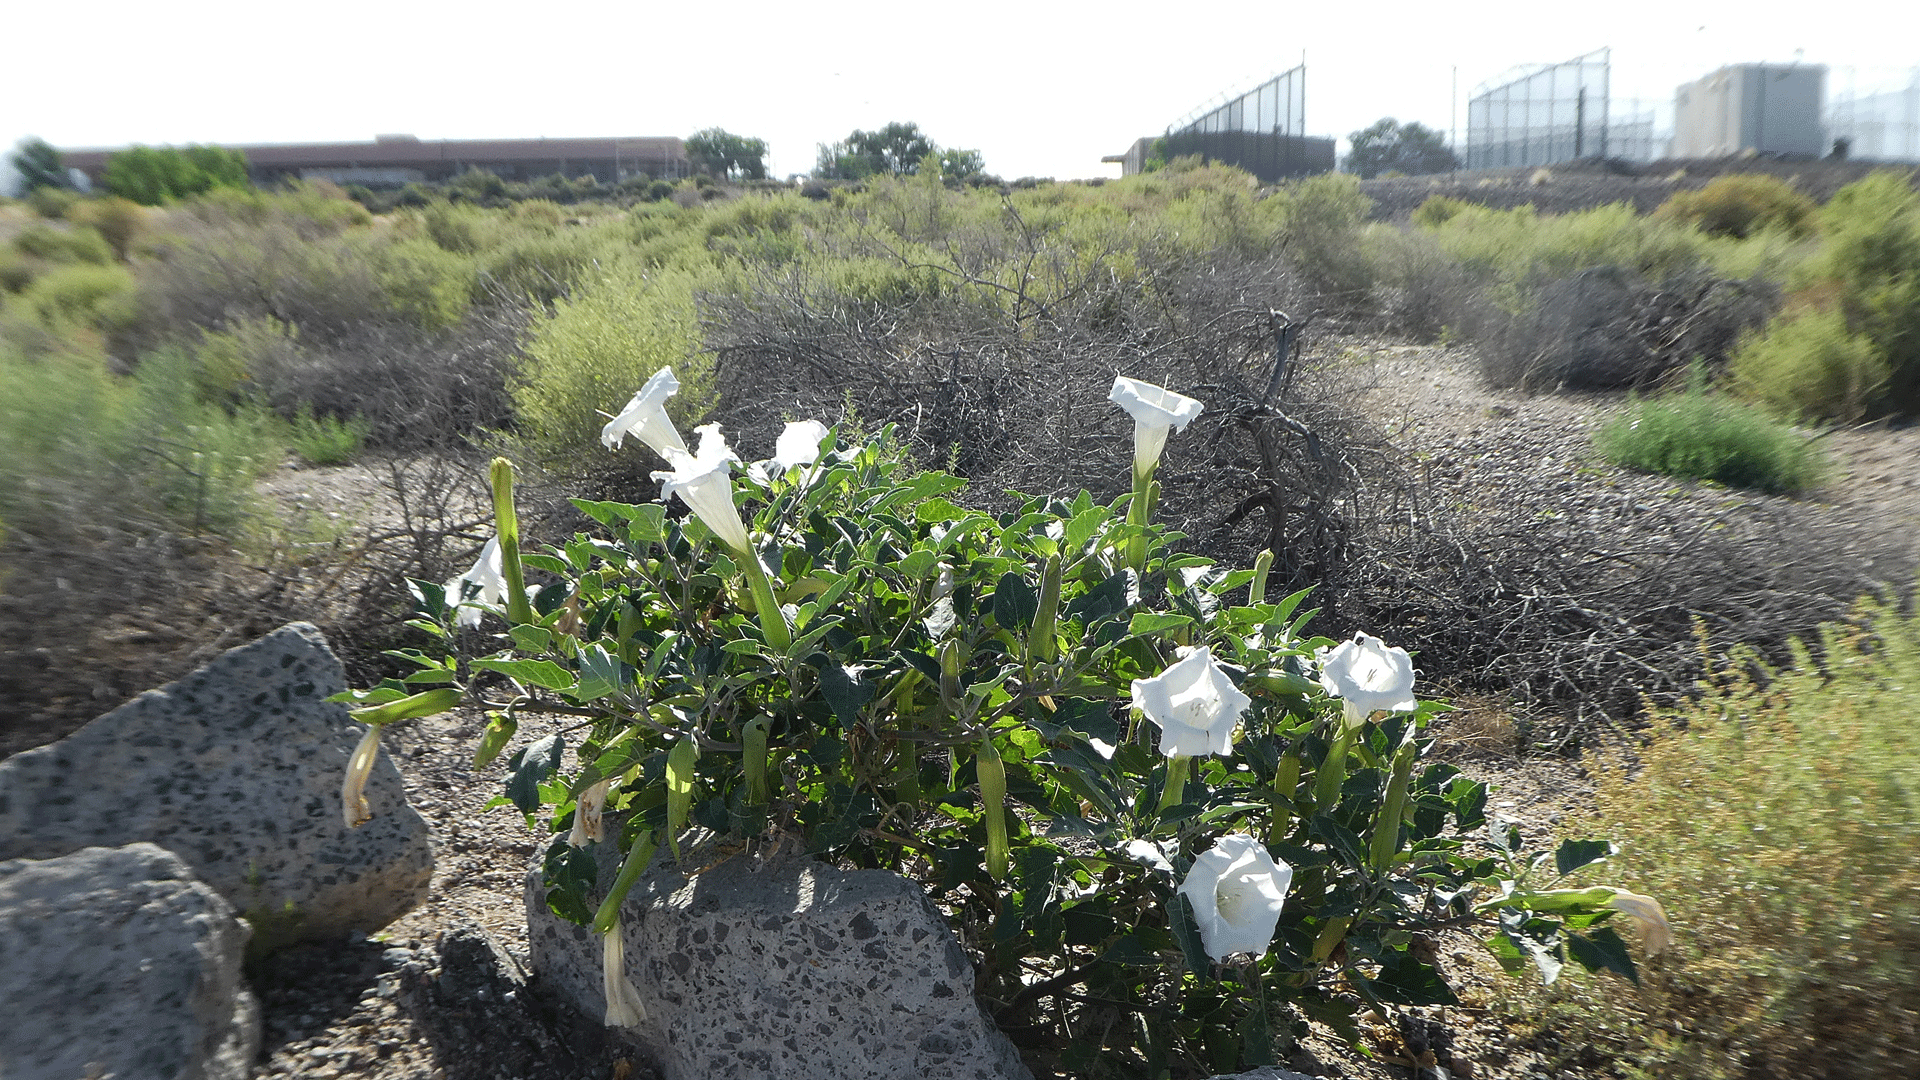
[406, 151]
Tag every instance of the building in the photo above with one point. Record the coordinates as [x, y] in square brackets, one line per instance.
[1764, 108]
[394, 160]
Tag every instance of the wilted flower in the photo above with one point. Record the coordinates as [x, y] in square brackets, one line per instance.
[586, 815]
[1155, 410]
[353, 789]
[1194, 703]
[646, 416]
[1368, 675]
[701, 481]
[798, 445]
[1647, 915]
[1236, 890]
[624, 1007]
[1147, 853]
[489, 575]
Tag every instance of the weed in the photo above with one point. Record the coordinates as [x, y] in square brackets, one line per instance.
[1700, 436]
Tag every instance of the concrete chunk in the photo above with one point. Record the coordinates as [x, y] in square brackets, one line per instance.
[236, 769]
[116, 962]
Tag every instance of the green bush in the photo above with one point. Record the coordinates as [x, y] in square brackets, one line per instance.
[1741, 205]
[1872, 254]
[51, 202]
[81, 295]
[1437, 210]
[118, 221]
[80, 447]
[1811, 365]
[419, 281]
[596, 348]
[152, 176]
[1699, 436]
[1780, 818]
[327, 440]
[77, 245]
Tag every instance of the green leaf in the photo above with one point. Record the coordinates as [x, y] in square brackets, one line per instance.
[545, 562]
[1082, 528]
[600, 673]
[1154, 622]
[1256, 1037]
[1603, 950]
[1571, 855]
[500, 729]
[1014, 601]
[1103, 601]
[1404, 980]
[543, 673]
[680, 762]
[430, 703]
[918, 563]
[935, 510]
[1187, 932]
[845, 692]
[1128, 950]
[528, 768]
[434, 677]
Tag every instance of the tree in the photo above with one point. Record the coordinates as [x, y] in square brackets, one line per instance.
[38, 165]
[153, 175]
[961, 164]
[1390, 146]
[894, 150]
[723, 153]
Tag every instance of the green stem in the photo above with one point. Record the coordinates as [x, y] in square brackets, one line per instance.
[773, 621]
[1333, 771]
[638, 857]
[1177, 769]
[507, 527]
[1286, 779]
[1386, 830]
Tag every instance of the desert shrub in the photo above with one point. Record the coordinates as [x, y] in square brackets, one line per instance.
[81, 447]
[82, 244]
[118, 221]
[1740, 205]
[1512, 250]
[539, 264]
[1437, 210]
[1608, 327]
[16, 273]
[1872, 254]
[1319, 225]
[1811, 365]
[594, 349]
[422, 283]
[1778, 819]
[81, 294]
[51, 202]
[1700, 436]
[1418, 289]
[327, 440]
[461, 228]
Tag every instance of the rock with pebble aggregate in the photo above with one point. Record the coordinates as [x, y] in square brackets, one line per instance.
[118, 962]
[237, 770]
[784, 968]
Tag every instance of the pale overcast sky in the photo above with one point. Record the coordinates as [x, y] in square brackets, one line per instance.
[1041, 88]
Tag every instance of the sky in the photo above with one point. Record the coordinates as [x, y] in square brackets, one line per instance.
[1040, 88]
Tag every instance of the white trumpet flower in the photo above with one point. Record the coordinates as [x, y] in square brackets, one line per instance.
[353, 789]
[1656, 934]
[646, 417]
[1195, 703]
[1155, 411]
[489, 575]
[586, 815]
[1367, 675]
[1236, 890]
[624, 1007]
[701, 481]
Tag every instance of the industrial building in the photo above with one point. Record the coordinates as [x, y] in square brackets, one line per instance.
[394, 160]
[1764, 108]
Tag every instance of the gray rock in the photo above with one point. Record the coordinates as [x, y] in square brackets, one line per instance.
[1267, 1072]
[236, 769]
[783, 968]
[116, 962]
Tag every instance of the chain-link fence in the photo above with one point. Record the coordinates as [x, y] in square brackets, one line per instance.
[1552, 113]
[1882, 126]
[1275, 107]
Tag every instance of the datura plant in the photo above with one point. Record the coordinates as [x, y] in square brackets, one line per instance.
[1170, 825]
